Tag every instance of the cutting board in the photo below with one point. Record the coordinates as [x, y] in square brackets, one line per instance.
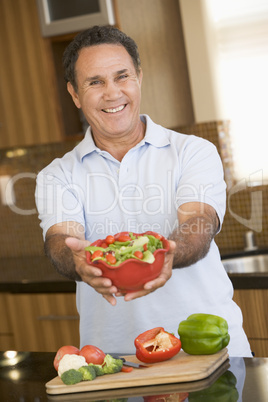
[181, 368]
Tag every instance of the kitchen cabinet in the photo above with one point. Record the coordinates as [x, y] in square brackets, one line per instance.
[253, 303]
[6, 332]
[43, 322]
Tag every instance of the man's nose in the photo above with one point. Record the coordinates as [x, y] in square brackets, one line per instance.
[112, 90]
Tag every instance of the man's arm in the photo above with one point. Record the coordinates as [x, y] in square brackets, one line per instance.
[58, 252]
[65, 246]
[198, 224]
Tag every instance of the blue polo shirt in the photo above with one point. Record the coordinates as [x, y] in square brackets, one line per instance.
[142, 192]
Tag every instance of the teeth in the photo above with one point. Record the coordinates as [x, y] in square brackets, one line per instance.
[117, 109]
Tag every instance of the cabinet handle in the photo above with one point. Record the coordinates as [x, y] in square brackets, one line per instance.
[57, 317]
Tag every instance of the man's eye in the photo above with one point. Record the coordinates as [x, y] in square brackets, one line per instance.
[96, 82]
[122, 77]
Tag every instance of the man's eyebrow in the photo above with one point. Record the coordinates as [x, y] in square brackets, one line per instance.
[125, 70]
[95, 77]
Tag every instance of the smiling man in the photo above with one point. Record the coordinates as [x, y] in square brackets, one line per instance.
[130, 174]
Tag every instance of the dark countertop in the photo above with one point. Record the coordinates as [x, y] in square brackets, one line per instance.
[35, 274]
[238, 379]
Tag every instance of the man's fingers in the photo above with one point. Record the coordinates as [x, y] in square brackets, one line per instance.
[172, 247]
[76, 244]
[110, 299]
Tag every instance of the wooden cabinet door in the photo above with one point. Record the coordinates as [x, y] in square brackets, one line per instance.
[253, 303]
[44, 322]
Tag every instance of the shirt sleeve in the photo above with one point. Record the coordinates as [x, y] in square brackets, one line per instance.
[57, 198]
[202, 177]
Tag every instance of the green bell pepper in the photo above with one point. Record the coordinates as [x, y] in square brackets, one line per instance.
[203, 334]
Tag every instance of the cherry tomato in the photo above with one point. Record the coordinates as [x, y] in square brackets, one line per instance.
[123, 238]
[97, 254]
[104, 245]
[64, 350]
[88, 256]
[92, 354]
[145, 247]
[110, 239]
[110, 258]
[138, 254]
[158, 236]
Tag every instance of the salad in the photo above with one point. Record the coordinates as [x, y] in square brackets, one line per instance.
[115, 249]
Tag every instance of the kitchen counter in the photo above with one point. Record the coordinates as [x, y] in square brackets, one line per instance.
[35, 274]
[24, 379]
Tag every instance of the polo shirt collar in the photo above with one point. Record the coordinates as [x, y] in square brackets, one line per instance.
[87, 145]
[154, 135]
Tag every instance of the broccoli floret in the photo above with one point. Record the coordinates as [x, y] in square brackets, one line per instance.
[97, 368]
[112, 365]
[71, 377]
[88, 373]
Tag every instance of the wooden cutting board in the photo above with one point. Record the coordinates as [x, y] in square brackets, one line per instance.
[181, 368]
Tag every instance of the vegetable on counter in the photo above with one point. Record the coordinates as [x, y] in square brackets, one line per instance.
[203, 334]
[71, 377]
[70, 362]
[87, 372]
[116, 249]
[92, 354]
[74, 365]
[156, 345]
[68, 349]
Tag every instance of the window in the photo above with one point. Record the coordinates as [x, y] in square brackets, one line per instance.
[241, 40]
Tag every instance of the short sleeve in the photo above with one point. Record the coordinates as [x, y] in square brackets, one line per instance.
[57, 199]
[202, 177]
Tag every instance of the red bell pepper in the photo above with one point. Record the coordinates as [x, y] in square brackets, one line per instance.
[156, 345]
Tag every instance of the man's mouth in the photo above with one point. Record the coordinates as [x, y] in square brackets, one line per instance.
[115, 109]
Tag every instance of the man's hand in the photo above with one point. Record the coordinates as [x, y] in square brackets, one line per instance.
[160, 281]
[89, 274]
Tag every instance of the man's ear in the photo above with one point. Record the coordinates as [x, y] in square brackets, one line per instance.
[74, 95]
[140, 76]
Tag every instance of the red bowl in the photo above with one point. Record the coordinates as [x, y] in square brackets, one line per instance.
[132, 274]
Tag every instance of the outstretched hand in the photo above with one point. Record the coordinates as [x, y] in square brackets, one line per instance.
[88, 273]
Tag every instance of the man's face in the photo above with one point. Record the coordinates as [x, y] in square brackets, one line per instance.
[109, 90]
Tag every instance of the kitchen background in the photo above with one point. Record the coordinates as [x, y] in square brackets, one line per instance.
[38, 122]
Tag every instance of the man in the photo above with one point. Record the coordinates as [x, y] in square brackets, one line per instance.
[130, 174]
